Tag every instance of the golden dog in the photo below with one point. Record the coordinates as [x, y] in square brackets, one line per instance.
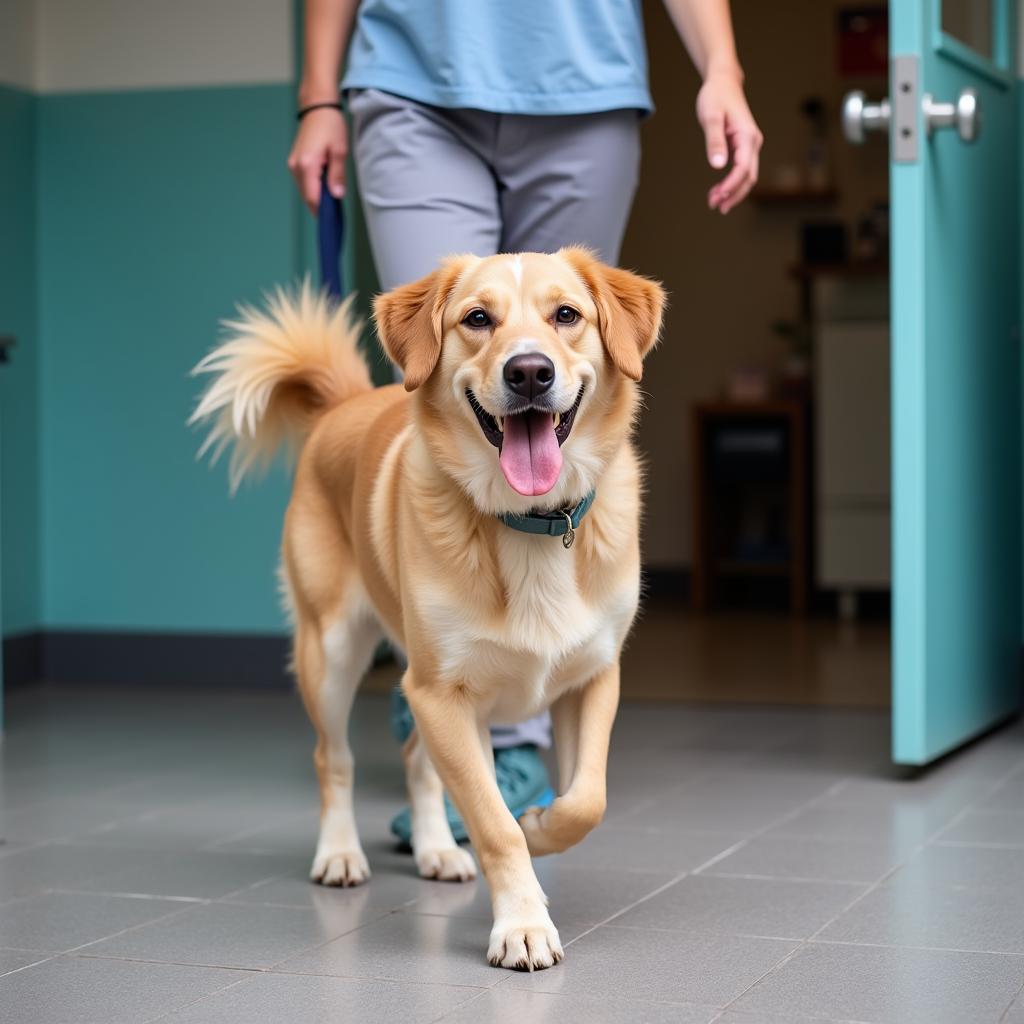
[407, 521]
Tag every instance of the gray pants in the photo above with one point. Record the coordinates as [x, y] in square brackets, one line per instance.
[435, 182]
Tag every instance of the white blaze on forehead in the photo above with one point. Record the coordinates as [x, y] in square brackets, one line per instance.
[517, 270]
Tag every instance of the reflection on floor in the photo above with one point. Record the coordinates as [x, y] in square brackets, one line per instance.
[756, 865]
[761, 659]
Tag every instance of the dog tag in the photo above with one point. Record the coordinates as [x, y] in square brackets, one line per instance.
[570, 534]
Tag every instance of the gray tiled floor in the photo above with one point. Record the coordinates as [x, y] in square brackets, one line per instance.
[757, 865]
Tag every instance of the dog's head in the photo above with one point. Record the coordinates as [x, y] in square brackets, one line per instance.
[525, 369]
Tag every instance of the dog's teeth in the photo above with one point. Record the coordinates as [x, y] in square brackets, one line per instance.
[500, 420]
[558, 419]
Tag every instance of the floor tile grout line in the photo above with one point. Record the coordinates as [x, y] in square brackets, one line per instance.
[811, 1017]
[124, 959]
[980, 845]
[989, 811]
[234, 902]
[274, 971]
[708, 773]
[798, 879]
[920, 949]
[247, 832]
[376, 919]
[228, 897]
[626, 1001]
[816, 942]
[805, 943]
[44, 958]
[1006, 1013]
[913, 852]
[257, 971]
[773, 824]
[462, 1006]
[72, 891]
[248, 888]
[319, 945]
[771, 970]
[200, 999]
[23, 847]
[706, 864]
[381, 978]
[131, 928]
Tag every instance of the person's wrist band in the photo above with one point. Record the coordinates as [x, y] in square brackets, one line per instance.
[303, 111]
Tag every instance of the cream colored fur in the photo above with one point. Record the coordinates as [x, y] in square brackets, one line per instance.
[279, 370]
[392, 530]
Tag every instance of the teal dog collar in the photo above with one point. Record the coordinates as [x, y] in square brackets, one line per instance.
[563, 522]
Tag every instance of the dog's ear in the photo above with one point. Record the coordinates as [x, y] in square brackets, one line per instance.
[410, 321]
[629, 308]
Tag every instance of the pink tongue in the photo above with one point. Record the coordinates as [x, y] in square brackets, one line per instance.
[530, 457]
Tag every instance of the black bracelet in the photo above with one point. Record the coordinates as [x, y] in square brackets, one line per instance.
[317, 106]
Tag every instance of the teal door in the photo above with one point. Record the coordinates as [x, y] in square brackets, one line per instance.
[956, 383]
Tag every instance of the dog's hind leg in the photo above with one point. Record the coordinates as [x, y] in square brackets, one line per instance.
[434, 848]
[330, 661]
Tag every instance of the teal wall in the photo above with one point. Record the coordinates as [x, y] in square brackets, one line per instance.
[20, 539]
[158, 211]
[133, 222]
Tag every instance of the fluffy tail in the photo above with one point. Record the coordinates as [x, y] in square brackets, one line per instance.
[277, 373]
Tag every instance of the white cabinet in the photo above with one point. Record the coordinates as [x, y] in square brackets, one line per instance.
[852, 440]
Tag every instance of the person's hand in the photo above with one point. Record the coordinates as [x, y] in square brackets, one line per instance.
[321, 141]
[729, 130]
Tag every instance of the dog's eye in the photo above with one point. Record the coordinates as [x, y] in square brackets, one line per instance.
[477, 318]
[566, 315]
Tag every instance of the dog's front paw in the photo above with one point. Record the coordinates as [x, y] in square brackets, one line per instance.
[447, 865]
[340, 867]
[531, 946]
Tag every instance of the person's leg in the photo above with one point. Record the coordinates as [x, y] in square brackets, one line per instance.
[428, 190]
[426, 187]
[567, 181]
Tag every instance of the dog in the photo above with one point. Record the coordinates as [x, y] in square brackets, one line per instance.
[484, 518]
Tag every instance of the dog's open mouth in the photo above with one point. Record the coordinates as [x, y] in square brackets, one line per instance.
[528, 443]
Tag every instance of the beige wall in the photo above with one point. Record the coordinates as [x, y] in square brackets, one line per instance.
[727, 275]
[17, 43]
[140, 44]
[86, 45]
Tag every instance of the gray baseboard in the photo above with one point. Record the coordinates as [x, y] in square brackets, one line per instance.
[187, 660]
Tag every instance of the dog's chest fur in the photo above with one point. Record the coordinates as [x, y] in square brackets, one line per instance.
[543, 637]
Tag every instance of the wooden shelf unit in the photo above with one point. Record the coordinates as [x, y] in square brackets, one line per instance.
[710, 564]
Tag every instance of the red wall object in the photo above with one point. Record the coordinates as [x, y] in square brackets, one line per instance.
[863, 47]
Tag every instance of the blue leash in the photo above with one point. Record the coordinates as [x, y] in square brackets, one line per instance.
[330, 230]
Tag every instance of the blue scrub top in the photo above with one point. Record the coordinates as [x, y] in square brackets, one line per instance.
[504, 56]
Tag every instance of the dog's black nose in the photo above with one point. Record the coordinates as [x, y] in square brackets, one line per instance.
[529, 374]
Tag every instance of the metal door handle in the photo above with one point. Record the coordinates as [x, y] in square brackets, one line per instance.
[861, 117]
[964, 115]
